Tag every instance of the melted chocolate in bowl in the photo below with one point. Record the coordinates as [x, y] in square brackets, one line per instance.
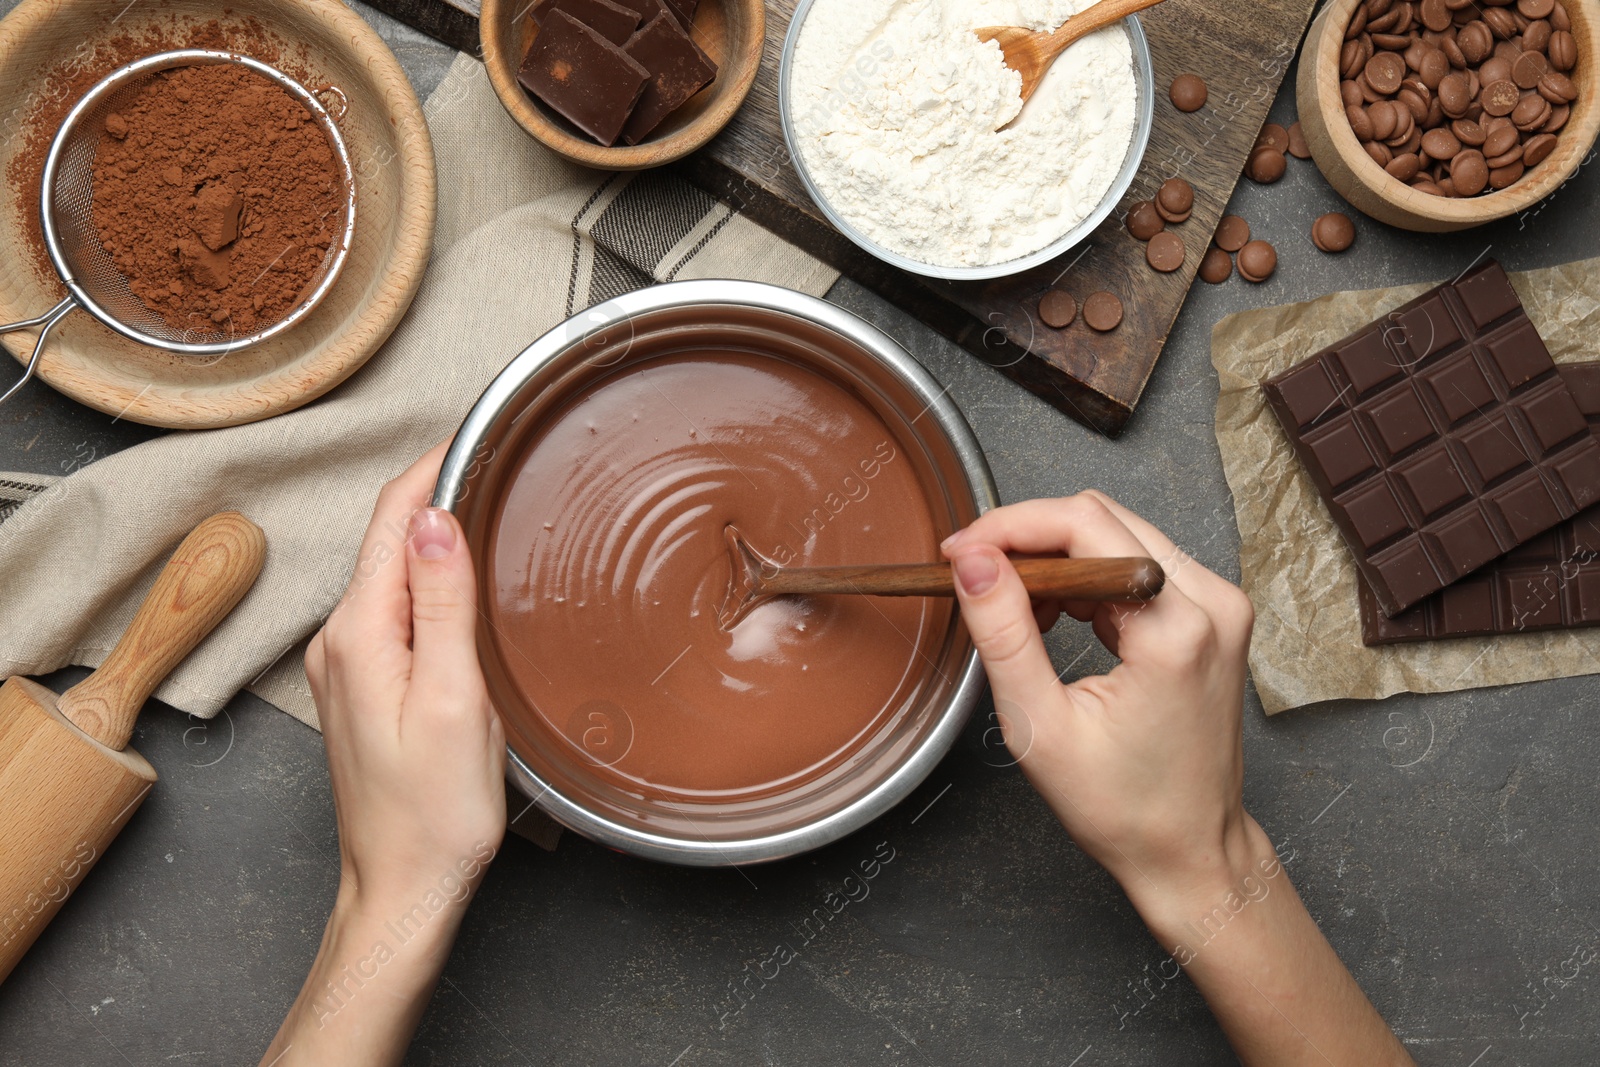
[609, 564]
[596, 508]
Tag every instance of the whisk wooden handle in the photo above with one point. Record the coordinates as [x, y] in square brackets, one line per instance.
[1116, 579]
[211, 570]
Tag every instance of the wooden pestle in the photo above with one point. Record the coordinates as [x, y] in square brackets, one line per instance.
[67, 784]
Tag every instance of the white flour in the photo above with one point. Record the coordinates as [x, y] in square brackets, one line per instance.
[896, 106]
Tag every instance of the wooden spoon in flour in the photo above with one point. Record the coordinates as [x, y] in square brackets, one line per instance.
[1030, 52]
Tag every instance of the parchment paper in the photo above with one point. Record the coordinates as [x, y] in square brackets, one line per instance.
[1296, 568]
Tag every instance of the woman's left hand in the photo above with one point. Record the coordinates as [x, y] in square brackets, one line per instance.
[415, 749]
[416, 754]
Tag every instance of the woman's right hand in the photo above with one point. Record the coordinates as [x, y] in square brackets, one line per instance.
[1144, 765]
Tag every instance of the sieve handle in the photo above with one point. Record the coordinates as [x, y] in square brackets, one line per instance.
[48, 320]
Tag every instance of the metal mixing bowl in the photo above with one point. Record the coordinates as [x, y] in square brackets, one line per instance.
[1144, 78]
[635, 328]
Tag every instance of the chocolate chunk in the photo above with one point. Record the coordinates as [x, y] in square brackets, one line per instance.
[216, 214]
[1144, 221]
[1165, 252]
[684, 10]
[1232, 233]
[1102, 311]
[1057, 309]
[610, 20]
[1333, 232]
[1257, 261]
[583, 77]
[1440, 437]
[1216, 266]
[678, 70]
[1550, 582]
[1188, 92]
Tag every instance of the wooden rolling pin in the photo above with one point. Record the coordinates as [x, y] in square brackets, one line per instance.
[67, 785]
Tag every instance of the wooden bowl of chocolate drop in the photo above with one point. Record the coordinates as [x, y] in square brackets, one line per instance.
[622, 84]
[1436, 115]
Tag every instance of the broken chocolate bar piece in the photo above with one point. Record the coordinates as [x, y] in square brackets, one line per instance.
[612, 21]
[647, 9]
[685, 10]
[678, 70]
[1440, 437]
[583, 76]
[1552, 582]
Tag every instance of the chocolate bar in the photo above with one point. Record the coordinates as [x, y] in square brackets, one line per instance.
[612, 21]
[1552, 582]
[587, 79]
[678, 70]
[1440, 436]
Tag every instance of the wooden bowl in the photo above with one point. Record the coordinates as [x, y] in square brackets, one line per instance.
[1373, 191]
[47, 48]
[732, 32]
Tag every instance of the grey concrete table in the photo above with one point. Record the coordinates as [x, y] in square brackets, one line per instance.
[1446, 844]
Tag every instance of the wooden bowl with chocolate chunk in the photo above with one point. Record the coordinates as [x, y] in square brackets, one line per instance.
[622, 84]
[1437, 115]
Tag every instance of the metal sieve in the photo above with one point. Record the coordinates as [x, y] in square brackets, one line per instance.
[92, 278]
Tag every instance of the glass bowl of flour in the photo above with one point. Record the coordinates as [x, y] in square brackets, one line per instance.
[910, 133]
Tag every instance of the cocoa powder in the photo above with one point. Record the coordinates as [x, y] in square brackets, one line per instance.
[30, 126]
[217, 195]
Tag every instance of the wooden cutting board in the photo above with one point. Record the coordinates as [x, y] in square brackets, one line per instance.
[1241, 52]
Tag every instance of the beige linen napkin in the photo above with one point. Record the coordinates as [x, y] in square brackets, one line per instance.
[1294, 565]
[524, 240]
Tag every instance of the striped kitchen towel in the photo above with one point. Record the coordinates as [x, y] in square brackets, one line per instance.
[524, 240]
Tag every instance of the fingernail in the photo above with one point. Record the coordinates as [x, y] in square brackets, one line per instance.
[977, 572]
[950, 542]
[432, 535]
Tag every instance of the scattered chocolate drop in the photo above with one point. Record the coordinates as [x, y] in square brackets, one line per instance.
[1333, 232]
[1298, 148]
[1216, 266]
[1102, 311]
[1266, 165]
[1257, 261]
[1144, 221]
[1188, 92]
[1273, 136]
[1232, 233]
[1175, 200]
[1057, 309]
[1165, 252]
